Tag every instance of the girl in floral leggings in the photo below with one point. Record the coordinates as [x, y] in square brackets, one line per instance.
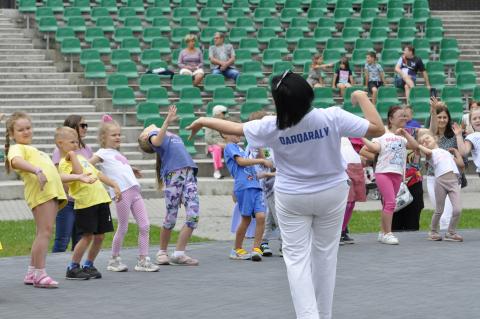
[177, 172]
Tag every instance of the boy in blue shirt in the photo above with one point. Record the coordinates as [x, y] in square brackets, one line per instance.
[249, 196]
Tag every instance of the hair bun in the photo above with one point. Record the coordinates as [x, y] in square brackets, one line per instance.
[107, 118]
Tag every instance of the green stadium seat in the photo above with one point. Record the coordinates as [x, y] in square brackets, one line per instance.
[191, 23]
[122, 33]
[241, 4]
[77, 24]
[322, 34]
[70, 12]
[152, 13]
[151, 33]
[178, 34]
[434, 23]
[307, 44]
[150, 55]
[42, 12]
[395, 14]
[249, 44]
[115, 81]
[242, 56]
[422, 44]
[341, 15]
[331, 56]
[83, 5]
[181, 81]
[102, 45]
[393, 45]
[354, 23]
[110, 5]
[215, 4]
[260, 14]
[449, 57]
[421, 15]
[466, 82]
[407, 23]
[294, 4]
[476, 93]
[269, 5]
[451, 94]
[300, 23]
[56, 5]
[464, 67]
[246, 23]
[248, 108]
[336, 44]
[27, 6]
[368, 15]
[175, 55]
[378, 35]
[135, 23]
[245, 82]
[301, 56]
[185, 134]
[123, 98]
[273, 23]
[146, 110]
[89, 55]
[156, 120]
[98, 12]
[185, 110]
[253, 68]
[207, 13]
[162, 23]
[315, 14]
[421, 4]
[323, 97]
[213, 81]
[218, 23]
[293, 35]
[207, 33]
[437, 80]
[287, 14]
[164, 4]
[63, 33]
[190, 146]
[388, 94]
[381, 23]
[234, 13]
[105, 23]
[359, 57]
[319, 4]
[350, 35]
[125, 12]
[137, 5]
[191, 5]
[279, 44]
[191, 95]
[450, 44]
[395, 4]
[434, 35]
[162, 44]
[281, 66]
[158, 95]
[406, 35]
[179, 13]
[95, 70]
[120, 55]
[270, 56]
[224, 96]
[364, 44]
[263, 35]
[257, 95]
[423, 54]
[148, 81]
[435, 67]
[70, 47]
[344, 4]
[420, 100]
[127, 68]
[370, 4]
[389, 57]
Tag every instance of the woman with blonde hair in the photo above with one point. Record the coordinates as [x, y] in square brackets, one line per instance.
[190, 60]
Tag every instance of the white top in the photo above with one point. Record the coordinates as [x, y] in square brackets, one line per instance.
[442, 162]
[307, 155]
[115, 166]
[393, 153]
[474, 138]
[348, 152]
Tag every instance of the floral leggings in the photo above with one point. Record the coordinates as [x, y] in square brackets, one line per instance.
[181, 187]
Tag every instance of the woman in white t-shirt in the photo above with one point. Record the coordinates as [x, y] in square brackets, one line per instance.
[311, 183]
[389, 170]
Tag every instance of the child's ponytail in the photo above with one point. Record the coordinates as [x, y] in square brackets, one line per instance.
[147, 148]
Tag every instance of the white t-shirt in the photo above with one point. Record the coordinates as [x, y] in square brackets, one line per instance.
[474, 138]
[307, 155]
[115, 166]
[442, 162]
[393, 153]
[348, 152]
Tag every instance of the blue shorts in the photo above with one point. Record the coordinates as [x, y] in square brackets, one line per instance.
[250, 201]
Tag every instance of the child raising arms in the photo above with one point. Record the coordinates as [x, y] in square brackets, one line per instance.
[43, 192]
[177, 171]
[112, 163]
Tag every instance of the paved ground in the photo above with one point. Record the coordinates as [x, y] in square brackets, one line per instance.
[417, 279]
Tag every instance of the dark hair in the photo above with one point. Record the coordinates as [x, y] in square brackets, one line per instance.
[147, 148]
[344, 60]
[293, 99]
[392, 110]
[73, 121]
[410, 48]
[448, 129]
[372, 54]
[471, 102]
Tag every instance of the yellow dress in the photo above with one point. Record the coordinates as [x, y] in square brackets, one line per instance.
[85, 195]
[53, 189]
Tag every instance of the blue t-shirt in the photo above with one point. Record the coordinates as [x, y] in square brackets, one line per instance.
[245, 176]
[173, 154]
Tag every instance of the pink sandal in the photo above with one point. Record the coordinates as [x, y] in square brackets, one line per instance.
[45, 282]
[28, 279]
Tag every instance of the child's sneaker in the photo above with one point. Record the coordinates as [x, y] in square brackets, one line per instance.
[162, 259]
[380, 237]
[92, 272]
[239, 254]
[28, 279]
[183, 260]
[266, 251]
[77, 273]
[146, 265]
[453, 237]
[280, 251]
[434, 236]
[389, 239]
[256, 254]
[342, 242]
[115, 264]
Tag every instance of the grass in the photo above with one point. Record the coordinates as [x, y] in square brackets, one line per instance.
[17, 237]
[368, 222]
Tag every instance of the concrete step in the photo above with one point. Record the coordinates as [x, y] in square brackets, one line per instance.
[75, 108]
[40, 102]
[37, 76]
[17, 52]
[31, 64]
[30, 82]
[15, 46]
[40, 95]
[22, 57]
[28, 69]
[58, 115]
[8, 36]
[17, 40]
[37, 88]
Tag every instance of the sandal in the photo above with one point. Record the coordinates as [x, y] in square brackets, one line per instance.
[28, 279]
[45, 282]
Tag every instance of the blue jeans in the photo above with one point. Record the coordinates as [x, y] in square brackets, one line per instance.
[229, 73]
[65, 229]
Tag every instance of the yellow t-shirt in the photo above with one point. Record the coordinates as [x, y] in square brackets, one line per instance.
[52, 189]
[85, 195]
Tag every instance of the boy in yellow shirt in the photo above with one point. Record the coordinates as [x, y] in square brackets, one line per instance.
[92, 211]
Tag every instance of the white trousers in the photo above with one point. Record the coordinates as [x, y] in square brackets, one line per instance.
[447, 211]
[310, 225]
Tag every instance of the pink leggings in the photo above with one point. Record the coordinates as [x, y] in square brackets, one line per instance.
[132, 201]
[216, 152]
[348, 214]
[388, 185]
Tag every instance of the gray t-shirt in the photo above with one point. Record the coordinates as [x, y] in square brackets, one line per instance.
[374, 71]
[223, 53]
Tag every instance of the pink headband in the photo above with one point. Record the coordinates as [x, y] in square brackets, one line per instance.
[106, 118]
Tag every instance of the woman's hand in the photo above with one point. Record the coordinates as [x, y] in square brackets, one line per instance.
[196, 126]
[87, 179]
[42, 179]
[457, 130]
[357, 95]
[172, 114]
[118, 193]
[401, 132]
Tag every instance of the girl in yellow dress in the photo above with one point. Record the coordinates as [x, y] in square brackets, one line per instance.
[43, 192]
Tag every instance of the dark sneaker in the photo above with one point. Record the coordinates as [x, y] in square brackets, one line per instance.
[266, 251]
[347, 239]
[77, 273]
[342, 242]
[92, 272]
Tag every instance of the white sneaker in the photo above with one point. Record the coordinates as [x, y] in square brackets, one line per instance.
[217, 174]
[162, 259]
[390, 239]
[115, 264]
[380, 236]
[146, 265]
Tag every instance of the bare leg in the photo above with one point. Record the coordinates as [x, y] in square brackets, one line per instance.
[96, 246]
[165, 238]
[242, 230]
[259, 229]
[387, 222]
[44, 215]
[374, 95]
[81, 247]
[183, 238]
[198, 79]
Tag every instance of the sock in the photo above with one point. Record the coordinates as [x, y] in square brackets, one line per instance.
[39, 273]
[88, 264]
[161, 252]
[73, 265]
[178, 253]
[30, 270]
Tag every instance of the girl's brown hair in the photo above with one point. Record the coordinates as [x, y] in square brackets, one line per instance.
[9, 132]
[147, 148]
[74, 121]
[391, 111]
